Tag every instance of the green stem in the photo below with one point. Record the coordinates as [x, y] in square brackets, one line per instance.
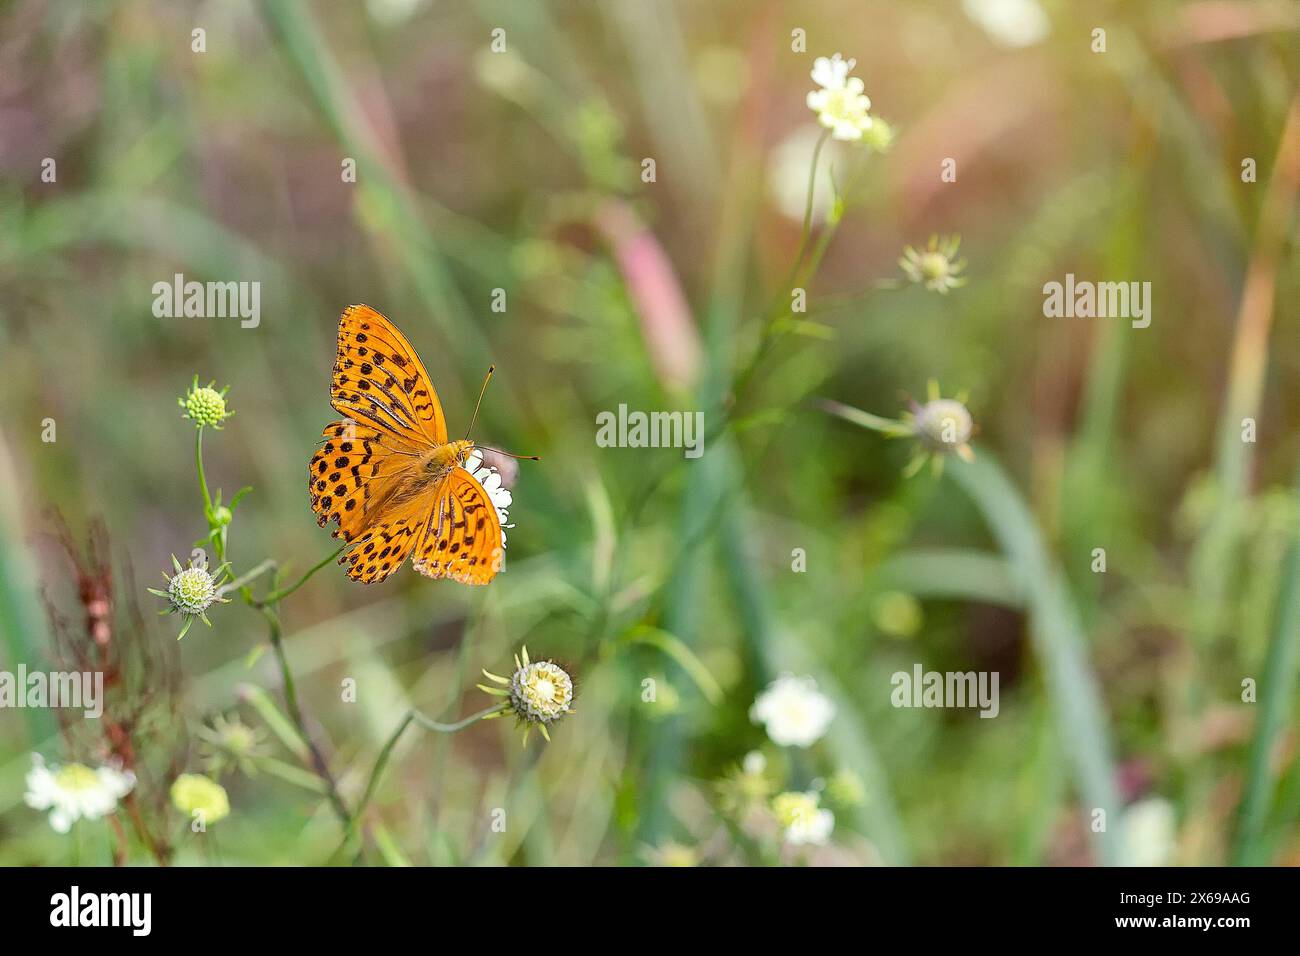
[247, 578]
[291, 774]
[776, 311]
[218, 534]
[198, 464]
[886, 426]
[800, 277]
[806, 232]
[283, 593]
[429, 724]
[411, 716]
[295, 714]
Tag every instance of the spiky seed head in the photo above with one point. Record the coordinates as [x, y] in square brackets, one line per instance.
[943, 425]
[191, 591]
[540, 692]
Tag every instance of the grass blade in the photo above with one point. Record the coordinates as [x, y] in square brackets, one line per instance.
[1058, 640]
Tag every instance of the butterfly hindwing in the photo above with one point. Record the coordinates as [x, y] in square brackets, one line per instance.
[379, 379]
[462, 535]
[381, 548]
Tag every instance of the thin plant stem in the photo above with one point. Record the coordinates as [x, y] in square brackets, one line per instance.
[283, 593]
[217, 535]
[160, 851]
[295, 714]
[242, 582]
[119, 840]
[198, 464]
[428, 723]
[806, 232]
[801, 274]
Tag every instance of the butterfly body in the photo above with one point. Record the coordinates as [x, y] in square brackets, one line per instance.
[441, 459]
[387, 473]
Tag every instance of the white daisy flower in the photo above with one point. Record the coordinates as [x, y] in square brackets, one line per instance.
[75, 791]
[840, 104]
[803, 821]
[792, 711]
[488, 477]
[935, 265]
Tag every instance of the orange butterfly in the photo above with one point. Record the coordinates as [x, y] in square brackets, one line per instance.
[387, 473]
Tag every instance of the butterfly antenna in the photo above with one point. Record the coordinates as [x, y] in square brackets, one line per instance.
[508, 455]
[486, 378]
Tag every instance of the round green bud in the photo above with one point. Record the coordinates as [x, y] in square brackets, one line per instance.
[194, 793]
[206, 406]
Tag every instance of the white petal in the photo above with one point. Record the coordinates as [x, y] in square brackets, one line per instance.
[822, 73]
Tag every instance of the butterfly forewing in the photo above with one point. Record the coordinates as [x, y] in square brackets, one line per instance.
[462, 536]
[353, 473]
[379, 379]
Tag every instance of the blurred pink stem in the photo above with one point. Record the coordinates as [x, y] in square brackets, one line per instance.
[670, 335]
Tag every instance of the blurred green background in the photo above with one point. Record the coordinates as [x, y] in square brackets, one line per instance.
[522, 171]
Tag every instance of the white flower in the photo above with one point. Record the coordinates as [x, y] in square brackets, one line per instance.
[491, 482]
[1010, 22]
[75, 791]
[832, 74]
[793, 712]
[803, 821]
[814, 829]
[935, 265]
[754, 763]
[1147, 833]
[840, 104]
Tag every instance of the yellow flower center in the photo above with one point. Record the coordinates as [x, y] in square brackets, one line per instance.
[239, 738]
[790, 808]
[77, 776]
[541, 692]
[934, 265]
